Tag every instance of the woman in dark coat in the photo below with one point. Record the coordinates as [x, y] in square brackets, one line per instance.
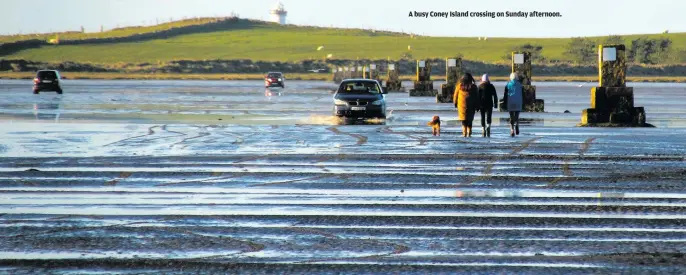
[487, 98]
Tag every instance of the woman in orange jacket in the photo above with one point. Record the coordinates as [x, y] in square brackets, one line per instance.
[466, 99]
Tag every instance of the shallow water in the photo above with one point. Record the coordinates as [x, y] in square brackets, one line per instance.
[302, 102]
[184, 176]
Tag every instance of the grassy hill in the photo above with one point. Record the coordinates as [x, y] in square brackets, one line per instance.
[217, 38]
[118, 32]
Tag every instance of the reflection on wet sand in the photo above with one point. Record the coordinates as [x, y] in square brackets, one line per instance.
[48, 111]
[268, 92]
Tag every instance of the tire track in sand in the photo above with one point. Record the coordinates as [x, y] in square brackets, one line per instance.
[566, 169]
[150, 132]
[488, 169]
[361, 139]
[397, 248]
[74, 229]
[251, 246]
[421, 140]
[295, 180]
[122, 175]
[199, 135]
[204, 181]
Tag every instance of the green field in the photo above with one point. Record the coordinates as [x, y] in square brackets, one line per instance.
[119, 32]
[260, 41]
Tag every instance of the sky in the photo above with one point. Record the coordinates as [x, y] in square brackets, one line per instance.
[579, 17]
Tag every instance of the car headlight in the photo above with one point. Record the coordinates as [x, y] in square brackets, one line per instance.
[279, 79]
[378, 102]
[339, 102]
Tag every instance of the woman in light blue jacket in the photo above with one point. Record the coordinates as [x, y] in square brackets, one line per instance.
[513, 100]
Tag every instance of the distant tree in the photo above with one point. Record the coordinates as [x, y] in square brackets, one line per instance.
[581, 50]
[665, 48]
[535, 50]
[649, 51]
[613, 40]
[83, 30]
[677, 56]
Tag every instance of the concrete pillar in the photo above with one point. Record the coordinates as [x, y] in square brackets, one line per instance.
[612, 66]
[393, 82]
[338, 75]
[453, 71]
[612, 103]
[521, 64]
[423, 85]
[371, 71]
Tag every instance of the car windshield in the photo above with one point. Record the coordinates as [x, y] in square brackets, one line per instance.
[47, 75]
[274, 75]
[359, 87]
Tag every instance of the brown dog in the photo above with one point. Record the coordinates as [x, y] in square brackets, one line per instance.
[435, 124]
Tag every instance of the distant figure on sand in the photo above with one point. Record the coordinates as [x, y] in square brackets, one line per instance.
[513, 100]
[466, 99]
[487, 98]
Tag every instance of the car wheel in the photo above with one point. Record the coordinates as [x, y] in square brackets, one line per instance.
[59, 91]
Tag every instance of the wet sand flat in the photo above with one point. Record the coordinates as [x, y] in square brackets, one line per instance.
[213, 177]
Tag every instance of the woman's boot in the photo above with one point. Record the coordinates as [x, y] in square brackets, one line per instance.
[488, 130]
[512, 132]
[464, 131]
[517, 128]
[483, 131]
[469, 131]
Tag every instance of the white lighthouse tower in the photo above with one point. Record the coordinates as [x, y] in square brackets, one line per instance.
[279, 13]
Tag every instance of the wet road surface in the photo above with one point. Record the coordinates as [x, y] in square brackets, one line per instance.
[204, 177]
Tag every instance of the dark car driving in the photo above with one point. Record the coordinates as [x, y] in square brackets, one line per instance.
[47, 80]
[360, 98]
[274, 79]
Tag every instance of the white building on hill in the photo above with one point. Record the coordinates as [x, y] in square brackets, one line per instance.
[279, 14]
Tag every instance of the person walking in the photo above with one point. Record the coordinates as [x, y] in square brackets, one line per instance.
[513, 99]
[487, 98]
[466, 102]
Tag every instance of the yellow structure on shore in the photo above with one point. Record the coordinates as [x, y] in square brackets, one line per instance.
[55, 40]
